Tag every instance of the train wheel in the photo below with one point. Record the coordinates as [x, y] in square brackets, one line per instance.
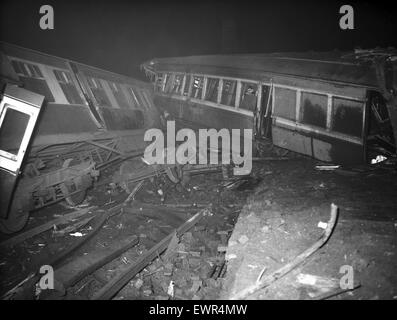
[15, 222]
[70, 189]
[76, 197]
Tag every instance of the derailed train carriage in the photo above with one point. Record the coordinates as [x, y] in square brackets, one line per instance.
[90, 118]
[335, 107]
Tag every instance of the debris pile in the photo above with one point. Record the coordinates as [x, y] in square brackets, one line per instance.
[192, 267]
[175, 236]
[151, 207]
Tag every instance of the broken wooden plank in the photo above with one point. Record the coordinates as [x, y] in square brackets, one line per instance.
[134, 191]
[176, 207]
[279, 273]
[44, 227]
[167, 215]
[327, 167]
[171, 248]
[100, 145]
[118, 282]
[24, 288]
[73, 227]
[72, 272]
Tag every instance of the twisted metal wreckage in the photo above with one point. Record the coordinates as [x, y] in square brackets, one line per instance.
[62, 122]
[91, 118]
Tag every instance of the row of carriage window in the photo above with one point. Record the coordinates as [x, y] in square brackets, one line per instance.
[131, 96]
[346, 115]
[326, 112]
[35, 81]
[217, 90]
[323, 111]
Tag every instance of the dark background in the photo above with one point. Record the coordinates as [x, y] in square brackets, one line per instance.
[119, 35]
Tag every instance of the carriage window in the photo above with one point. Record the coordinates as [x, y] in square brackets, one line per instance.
[248, 96]
[285, 103]
[347, 116]
[159, 82]
[177, 83]
[65, 81]
[212, 90]
[187, 85]
[197, 87]
[32, 78]
[229, 92]
[134, 98]
[314, 109]
[98, 92]
[119, 95]
[148, 101]
[169, 79]
[114, 87]
[12, 130]
[19, 68]
[27, 69]
[144, 99]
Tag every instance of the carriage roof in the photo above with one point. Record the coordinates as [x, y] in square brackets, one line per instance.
[336, 66]
[59, 62]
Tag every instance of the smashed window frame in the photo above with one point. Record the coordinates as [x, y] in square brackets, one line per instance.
[212, 89]
[34, 75]
[245, 95]
[27, 69]
[197, 87]
[134, 97]
[97, 87]
[229, 92]
[66, 83]
[177, 83]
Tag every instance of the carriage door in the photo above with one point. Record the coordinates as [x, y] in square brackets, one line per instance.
[19, 109]
[264, 120]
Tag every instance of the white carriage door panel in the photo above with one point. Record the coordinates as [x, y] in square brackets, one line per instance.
[17, 121]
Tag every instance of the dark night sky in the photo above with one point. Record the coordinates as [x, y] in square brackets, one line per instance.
[119, 35]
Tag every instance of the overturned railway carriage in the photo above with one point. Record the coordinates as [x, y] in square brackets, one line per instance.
[330, 106]
[90, 118]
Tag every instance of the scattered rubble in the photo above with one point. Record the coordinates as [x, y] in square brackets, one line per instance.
[200, 262]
